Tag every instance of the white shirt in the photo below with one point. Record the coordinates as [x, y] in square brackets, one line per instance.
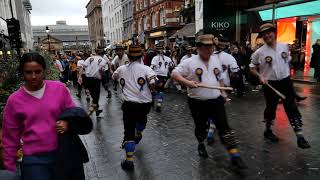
[273, 64]
[106, 68]
[94, 65]
[37, 94]
[117, 62]
[186, 57]
[229, 64]
[80, 66]
[58, 65]
[190, 68]
[129, 76]
[160, 64]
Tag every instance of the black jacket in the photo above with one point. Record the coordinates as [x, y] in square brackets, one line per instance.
[315, 58]
[71, 153]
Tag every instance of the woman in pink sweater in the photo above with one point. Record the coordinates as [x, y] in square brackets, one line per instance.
[31, 117]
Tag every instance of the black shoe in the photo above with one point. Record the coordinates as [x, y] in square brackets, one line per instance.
[115, 89]
[238, 163]
[98, 112]
[302, 143]
[127, 165]
[78, 95]
[88, 99]
[202, 151]
[109, 94]
[268, 134]
[299, 98]
[210, 141]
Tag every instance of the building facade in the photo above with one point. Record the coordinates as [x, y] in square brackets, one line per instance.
[95, 23]
[156, 20]
[113, 20]
[20, 11]
[73, 37]
[127, 9]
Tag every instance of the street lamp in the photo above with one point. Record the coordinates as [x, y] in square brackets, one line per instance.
[47, 31]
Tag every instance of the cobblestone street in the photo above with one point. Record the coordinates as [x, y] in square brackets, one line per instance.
[168, 150]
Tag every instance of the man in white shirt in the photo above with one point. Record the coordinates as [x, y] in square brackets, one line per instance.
[161, 65]
[273, 60]
[207, 103]
[231, 70]
[94, 66]
[135, 80]
[189, 53]
[120, 59]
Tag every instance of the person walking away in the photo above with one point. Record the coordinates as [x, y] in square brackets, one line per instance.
[94, 66]
[136, 81]
[106, 76]
[205, 103]
[30, 118]
[315, 60]
[273, 60]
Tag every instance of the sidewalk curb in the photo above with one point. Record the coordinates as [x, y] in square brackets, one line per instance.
[305, 81]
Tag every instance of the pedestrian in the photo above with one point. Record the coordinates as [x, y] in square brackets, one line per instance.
[238, 80]
[161, 65]
[106, 75]
[188, 53]
[137, 82]
[205, 103]
[315, 59]
[94, 66]
[273, 60]
[32, 115]
[74, 70]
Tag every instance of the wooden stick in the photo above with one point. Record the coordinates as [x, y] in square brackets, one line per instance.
[276, 91]
[215, 87]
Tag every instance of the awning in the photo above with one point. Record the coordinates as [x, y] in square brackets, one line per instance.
[302, 9]
[188, 31]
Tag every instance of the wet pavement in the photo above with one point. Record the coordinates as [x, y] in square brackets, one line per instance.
[168, 150]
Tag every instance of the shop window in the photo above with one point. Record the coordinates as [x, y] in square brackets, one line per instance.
[162, 17]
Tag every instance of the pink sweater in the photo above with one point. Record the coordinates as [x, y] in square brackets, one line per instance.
[34, 121]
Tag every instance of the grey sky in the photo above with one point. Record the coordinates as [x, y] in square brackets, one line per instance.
[47, 12]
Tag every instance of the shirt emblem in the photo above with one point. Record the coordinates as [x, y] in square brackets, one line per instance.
[199, 73]
[268, 59]
[122, 82]
[141, 82]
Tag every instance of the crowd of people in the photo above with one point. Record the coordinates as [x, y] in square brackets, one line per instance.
[141, 77]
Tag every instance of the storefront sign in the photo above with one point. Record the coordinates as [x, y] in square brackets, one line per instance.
[156, 34]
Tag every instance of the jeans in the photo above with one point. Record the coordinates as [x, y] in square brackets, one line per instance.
[39, 167]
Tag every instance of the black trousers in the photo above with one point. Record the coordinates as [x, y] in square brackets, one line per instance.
[160, 83]
[285, 86]
[202, 110]
[94, 88]
[105, 80]
[134, 113]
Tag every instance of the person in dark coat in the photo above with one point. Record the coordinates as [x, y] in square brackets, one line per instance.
[315, 60]
[7, 175]
[71, 153]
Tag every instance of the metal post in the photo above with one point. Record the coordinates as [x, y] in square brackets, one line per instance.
[49, 42]
[273, 13]
[11, 8]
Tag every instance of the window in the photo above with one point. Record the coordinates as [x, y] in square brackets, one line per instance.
[145, 3]
[139, 25]
[162, 17]
[137, 6]
[120, 17]
[145, 23]
[154, 20]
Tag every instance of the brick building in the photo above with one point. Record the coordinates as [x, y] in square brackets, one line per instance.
[95, 24]
[156, 20]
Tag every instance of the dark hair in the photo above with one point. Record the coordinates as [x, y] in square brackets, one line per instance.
[32, 57]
